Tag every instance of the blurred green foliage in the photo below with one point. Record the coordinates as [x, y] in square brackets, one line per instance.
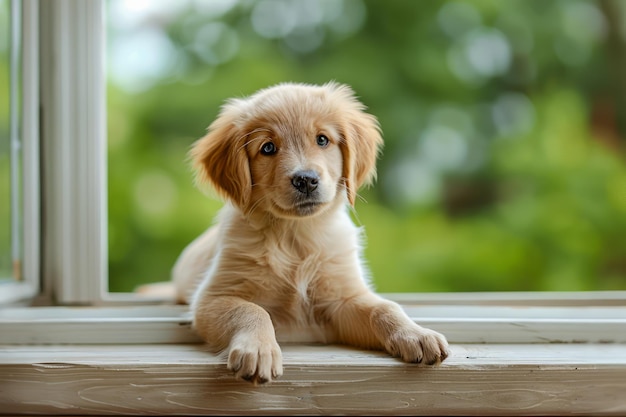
[504, 126]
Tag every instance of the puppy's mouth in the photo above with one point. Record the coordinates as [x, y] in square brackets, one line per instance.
[297, 209]
[306, 208]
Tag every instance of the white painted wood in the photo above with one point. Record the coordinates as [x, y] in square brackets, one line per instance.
[31, 173]
[533, 379]
[492, 298]
[171, 324]
[15, 142]
[515, 298]
[15, 292]
[74, 148]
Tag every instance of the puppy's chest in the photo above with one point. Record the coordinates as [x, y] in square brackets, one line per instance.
[292, 265]
[292, 273]
[293, 299]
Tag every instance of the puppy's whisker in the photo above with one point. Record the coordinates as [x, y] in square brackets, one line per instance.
[257, 203]
[257, 130]
[349, 190]
[355, 215]
[247, 134]
[254, 139]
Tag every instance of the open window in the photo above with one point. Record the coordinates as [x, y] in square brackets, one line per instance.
[514, 191]
[97, 152]
[76, 201]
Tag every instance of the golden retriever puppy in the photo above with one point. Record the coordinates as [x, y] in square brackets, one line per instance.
[283, 261]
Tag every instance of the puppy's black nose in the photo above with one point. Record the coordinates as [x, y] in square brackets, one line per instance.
[305, 181]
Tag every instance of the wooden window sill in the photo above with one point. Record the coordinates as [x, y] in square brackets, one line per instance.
[497, 379]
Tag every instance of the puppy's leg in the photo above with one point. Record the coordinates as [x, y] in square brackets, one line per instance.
[372, 322]
[246, 330]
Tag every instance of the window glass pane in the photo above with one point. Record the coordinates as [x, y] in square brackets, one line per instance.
[5, 144]
[504, 127]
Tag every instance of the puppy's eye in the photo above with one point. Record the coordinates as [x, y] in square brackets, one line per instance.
[322, 141]
[268, 148]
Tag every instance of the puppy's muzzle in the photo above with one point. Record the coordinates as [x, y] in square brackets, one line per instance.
[305, 181]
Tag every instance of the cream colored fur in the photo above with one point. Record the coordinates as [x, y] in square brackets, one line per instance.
[283, 260]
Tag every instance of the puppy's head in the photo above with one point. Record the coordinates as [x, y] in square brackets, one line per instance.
[291, 150]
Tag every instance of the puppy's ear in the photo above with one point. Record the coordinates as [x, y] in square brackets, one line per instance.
[360, 145]
[220, 158]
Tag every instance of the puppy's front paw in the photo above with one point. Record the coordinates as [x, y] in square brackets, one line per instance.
[257, 361]
[418, 344]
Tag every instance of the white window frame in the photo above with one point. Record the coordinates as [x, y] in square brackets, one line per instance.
[64, 76]
[73, 149]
